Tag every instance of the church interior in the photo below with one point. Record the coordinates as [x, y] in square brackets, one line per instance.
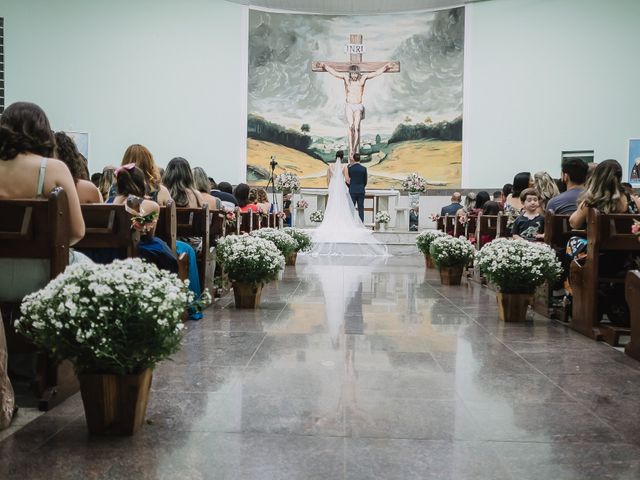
[278, 239]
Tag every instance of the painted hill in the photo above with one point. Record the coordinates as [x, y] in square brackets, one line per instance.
[259, 155]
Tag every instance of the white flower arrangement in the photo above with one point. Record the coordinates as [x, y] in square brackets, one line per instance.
[450, 251]
[383, 217]
[284, 242]
[287, 182]
[119, 318]
[302, 238]
[414, 183]
[518, 266]
[424, 239]
[249, 259]
[317, 216]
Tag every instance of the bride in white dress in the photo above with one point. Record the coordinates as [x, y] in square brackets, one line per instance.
[342, 232]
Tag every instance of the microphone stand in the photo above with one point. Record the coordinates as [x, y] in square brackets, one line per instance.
[272, 182]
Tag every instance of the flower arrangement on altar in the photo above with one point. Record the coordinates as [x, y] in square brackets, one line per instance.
[424, 239]
[302, 239]
[518, 266]
[414, 183]
[287, 182]
[448, 251]
[434, 217]
[317, 216]
[383, 217]
[118, 318]
[249, 259]
[282, 240]
[302, 204]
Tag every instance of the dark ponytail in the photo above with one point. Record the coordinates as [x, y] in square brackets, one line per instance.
[130, 182]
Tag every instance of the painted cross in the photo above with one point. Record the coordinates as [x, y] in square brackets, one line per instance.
[355, 73]
[355, 50]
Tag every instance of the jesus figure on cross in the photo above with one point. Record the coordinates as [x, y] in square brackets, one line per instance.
[355, 74]
[354, 89]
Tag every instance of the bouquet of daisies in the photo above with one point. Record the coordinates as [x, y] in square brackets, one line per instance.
[288, 182]
[382, 217]
[450, 251]
[414, 183]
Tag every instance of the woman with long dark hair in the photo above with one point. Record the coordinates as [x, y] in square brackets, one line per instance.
[178, 179]
[142, 158]
[67, 151]
[241, 193]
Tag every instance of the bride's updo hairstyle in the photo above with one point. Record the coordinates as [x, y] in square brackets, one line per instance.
[25, 128]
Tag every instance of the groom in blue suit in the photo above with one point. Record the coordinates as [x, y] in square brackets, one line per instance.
[357, 183]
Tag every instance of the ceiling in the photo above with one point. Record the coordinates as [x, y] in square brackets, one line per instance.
[351, 7]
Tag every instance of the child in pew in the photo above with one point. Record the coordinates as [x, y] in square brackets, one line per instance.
[132, 189]
[530, 224]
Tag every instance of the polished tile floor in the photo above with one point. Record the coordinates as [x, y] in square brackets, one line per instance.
[362, 370]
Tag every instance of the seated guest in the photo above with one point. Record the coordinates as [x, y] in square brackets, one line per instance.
[242, 195]
[530, 224]
[224, 192]
[201, 184]
[546, 187]
[454, 206]
[179, 180]
[498, 197]
[67, 151]
[28, 170]
[512, 204]
[469, 203]
[263, 200]
[95, 178]
[507, 188]
[481, 198]
[141, 156]
[286, 208]
[132, 191]
[107, 184]
[491, 208]
[574, 174]
[603, 191]
[131, 185]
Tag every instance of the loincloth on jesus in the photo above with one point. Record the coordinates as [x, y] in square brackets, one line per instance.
[353, 108]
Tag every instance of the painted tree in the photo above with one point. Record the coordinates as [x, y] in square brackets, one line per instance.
[305, 128]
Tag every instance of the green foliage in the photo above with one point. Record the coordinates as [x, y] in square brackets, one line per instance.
[424, 239]
[302, 239]
[261, 129]
[434, 131]
[119, 318]
[518, 266]
[449, 251]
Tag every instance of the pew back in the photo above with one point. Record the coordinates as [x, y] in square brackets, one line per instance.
[109, 226]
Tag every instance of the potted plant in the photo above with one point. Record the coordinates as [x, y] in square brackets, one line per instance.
[114, 323]
[451, 255]
[303, 241]
[517, 267]
[317, 216]
[250, 262]
[283, 241]
[287, 182]
[414, 184]
[382, 218]
[423, 241]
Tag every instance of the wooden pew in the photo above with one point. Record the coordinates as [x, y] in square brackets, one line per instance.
[449, 224]
[217, 225]
[38, 229]
[245, 221]
[502, 230]
[605, 234]
[486, 229]
[440, 224]
[470, 227]
[632, 295]
[166, 228]
[108, 226]
[194, 222]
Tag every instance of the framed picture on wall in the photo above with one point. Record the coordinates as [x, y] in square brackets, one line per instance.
[586, 155]
[634, 161]
[81, 140]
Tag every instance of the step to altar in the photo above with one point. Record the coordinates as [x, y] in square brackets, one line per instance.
[398, 242]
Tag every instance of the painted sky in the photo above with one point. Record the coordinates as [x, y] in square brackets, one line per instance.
[284, 90]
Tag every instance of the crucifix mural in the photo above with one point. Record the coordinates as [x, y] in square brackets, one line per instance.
[355, 73]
